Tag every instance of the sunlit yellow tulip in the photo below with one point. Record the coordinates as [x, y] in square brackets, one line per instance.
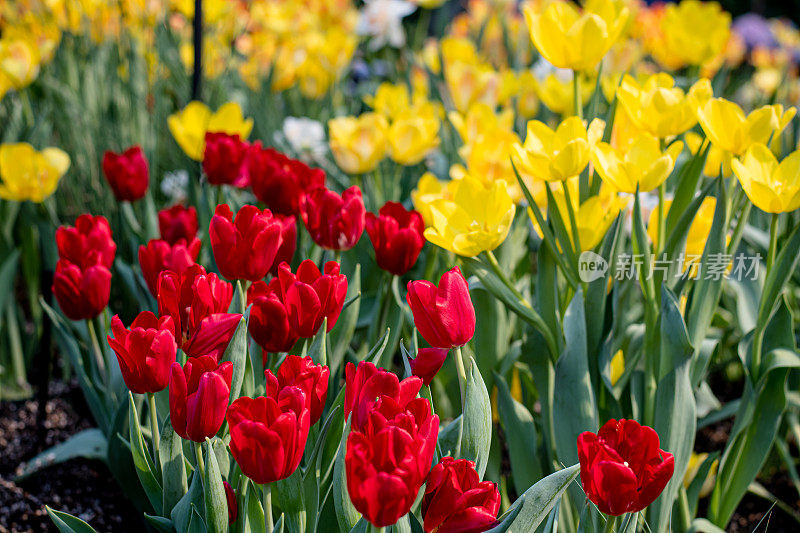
[657, 106]
[190, 125]
[390, 99]
[571, 39]
[479, 121]
[640, 164]
[726, 125]
[617, 367]
[557, 95]
[430, 189]
[476, 220]
[773, 187]
[412, 136]
[693, 33]
[26, 174]
[556, 155]
[489, 160]
[359, 143]
[528, 97]
[19, 62]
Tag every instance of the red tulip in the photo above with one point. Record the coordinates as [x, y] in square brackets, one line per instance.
[224, 158]
[198, 397]
[334, 222]
[160, 255]
[443, 315]
[623, 470]
[268, 434]
[127, 173]
[244, 248]
[311, 296]
[81, 293]
[177, 222]
[427, 363]
[145, 352]
[367, 385]
[278, 181]
[230, 499]
[269, 321]
[288, 242]
[212, 336]
[88, 243]
[296, 371]
[456, 500]
[396, 235]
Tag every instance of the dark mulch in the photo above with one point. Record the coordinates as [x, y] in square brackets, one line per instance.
[84, 488]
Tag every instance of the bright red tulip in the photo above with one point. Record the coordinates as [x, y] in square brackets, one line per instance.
[159, 255]
[457, 501]
[127, 173]
[81, 293]
[268, 434]
[87, 243]
[230, 499]
[311, 296]
[288, 242]
[269, 322]
[145, 352]
[367, 385]
[224, 160]
[623, 469]
[334, 222]
[443, 315]
[427, 363]
[178, 222]
[198, 397]
[278, 181]
[296, 371]
[244, 248]
[213, 335]
[396, 235]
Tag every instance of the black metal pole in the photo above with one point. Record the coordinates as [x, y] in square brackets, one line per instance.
[197, 74]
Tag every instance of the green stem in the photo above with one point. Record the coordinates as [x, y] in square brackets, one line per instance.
[758, 334]
[98, 354]
[576, 94]
[375, 529]
[611, 522]
[201, 466]
[462, 376]
[773, 241]
[576, 238]
[151, 398]
[662, 220]
[266, 501]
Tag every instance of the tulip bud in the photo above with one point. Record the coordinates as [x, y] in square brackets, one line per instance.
[244, 248]
[334, 222]
[427, 363]
[87, 243]
[296, 371]
[177, 222]
[280, 182]
[397, 236]
[269, 321]
[145, 352]
[198, 397]
[230, 499]
[224, 158]
[443, 315]
[366, 384]
[81, 294]
[159, 256]
[127, 173]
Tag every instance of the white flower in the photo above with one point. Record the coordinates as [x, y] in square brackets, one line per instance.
[382, 19]
[174, 185]
[306, 137]
[543, 68]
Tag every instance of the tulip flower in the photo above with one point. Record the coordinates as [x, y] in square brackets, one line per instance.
[358, 143]
[198, 397]
[296, 371]
[366, 385]
[772, 186]
[145, 351]
[26, 174]
[159, 256]
[280, 182]
[230, 500]
[334, 222]
[556, 91]
[390, 100]
[656, 106]
[87, 243]
[288, 245]
[443, 315]
[623, 470]
[457, 500]
[127, 173]
[413, 134]
[641, 164]
[190, 125]
[81, 293]
[427, 363]
[429, 189]
[689, 32]
[244, 248]
[269, 433]
[178, 222]
[574, 40]
[224, 159]
[476, 220]
[397, 236]
[310, 296]
[269, 321]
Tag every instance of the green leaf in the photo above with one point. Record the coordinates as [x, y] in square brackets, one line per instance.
[535, 504]
[490, 344]
[120, 458]
[476, 430]
[290, 497]
[687, 181]
[236, 353]
[182, 512]
[253, 515]
[342, 334]
[173, 469]
[214, 493]
[376, 352]
[520, 432]
[346, 514]
[145, 468]
[701, 525]
[448, 437]
[89, 443]
[317, 350]
[8, 271]
[159, 523]
[66, 523]
[785, 265]
[196, 523]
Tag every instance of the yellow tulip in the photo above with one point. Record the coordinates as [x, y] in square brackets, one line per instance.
[480, 120]
[773, 187]
[640, 164]
[468, 83]
[696, 460]
[429, 189]
[556, 155]
[570, 39]
[412, 136]
[716, 160]
[477, 219]
[556, 92]
[692, 33]
[617, 367]
[19, 62]
[389, 100]
[726, 125]
[656, 106]
[527, 96]
[26, 174]
[489, 160]
[190, 125]
[358, 143]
